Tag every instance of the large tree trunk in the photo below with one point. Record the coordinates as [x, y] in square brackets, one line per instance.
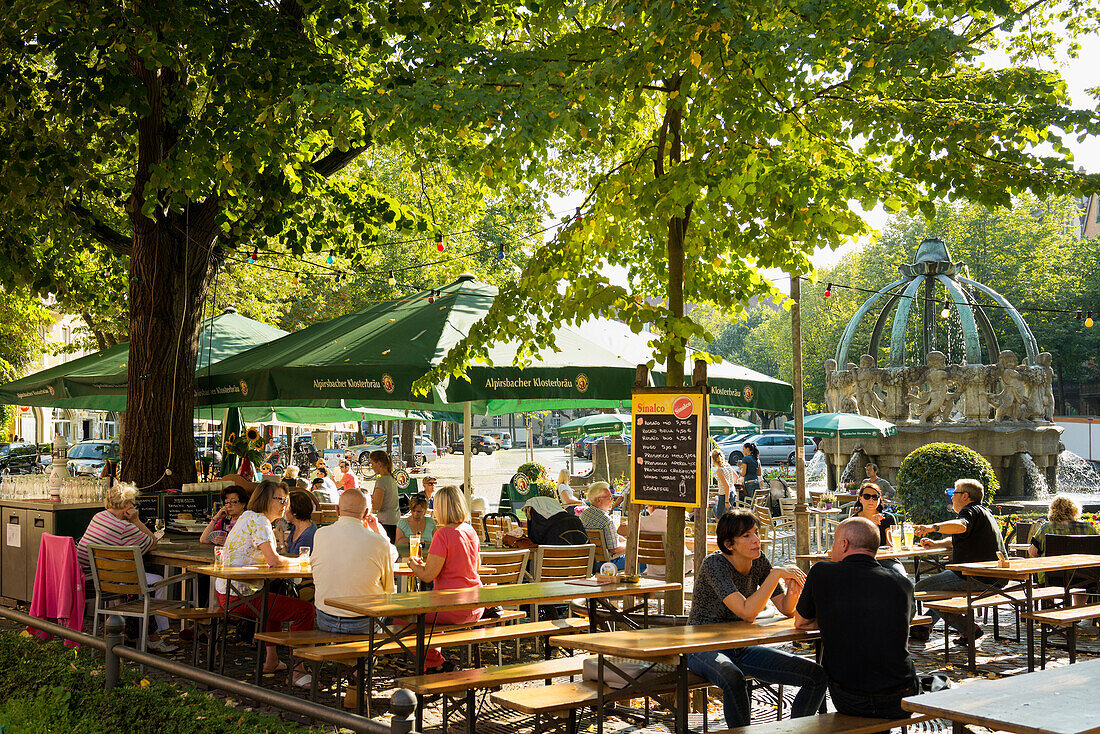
[169, 281]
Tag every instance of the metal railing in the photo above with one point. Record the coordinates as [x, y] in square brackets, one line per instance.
[402, 702]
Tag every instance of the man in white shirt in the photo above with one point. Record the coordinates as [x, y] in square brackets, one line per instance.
[349, 560]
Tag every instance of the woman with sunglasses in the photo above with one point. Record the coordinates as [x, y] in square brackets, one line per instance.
[870, 504]
[250, 543]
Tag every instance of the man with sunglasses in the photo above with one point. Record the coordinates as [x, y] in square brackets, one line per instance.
[428, 484]
[973, 536]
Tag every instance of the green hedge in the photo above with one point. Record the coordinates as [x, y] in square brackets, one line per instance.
[46, 688]
[933, 468]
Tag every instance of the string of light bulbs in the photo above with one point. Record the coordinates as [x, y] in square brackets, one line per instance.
[1078, 313]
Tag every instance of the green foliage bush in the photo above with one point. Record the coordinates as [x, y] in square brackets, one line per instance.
[534, 471]
[933, 468]
[46, 687]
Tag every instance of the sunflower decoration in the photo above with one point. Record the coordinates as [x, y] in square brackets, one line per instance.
[247, 447]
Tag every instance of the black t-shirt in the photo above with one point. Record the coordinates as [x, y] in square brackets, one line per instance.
[863, 611]
[752, 468]
[980, 542]
[718, 579]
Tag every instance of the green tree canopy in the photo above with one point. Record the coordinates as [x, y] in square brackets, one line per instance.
[1030, 252]
[716, 140]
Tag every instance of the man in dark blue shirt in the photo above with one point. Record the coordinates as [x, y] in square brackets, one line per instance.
[863, 611]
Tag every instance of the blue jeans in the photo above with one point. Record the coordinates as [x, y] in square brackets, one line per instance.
[343, 625]
[728, 669]
[720, 507]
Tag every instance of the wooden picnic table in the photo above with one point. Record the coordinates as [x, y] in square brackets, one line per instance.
[1053, 701]
[932, 556]
[671, 645]
[417, 605]
[1021, 570]
[264, 574]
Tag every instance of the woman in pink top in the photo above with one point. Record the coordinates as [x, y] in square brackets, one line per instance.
[453, 560]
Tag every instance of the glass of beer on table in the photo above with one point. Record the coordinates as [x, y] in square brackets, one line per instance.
[414, 546]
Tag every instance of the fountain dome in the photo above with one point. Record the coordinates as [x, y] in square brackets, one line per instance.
[946, 376]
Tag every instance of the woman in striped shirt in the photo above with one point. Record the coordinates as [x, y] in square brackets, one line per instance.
[119, 524]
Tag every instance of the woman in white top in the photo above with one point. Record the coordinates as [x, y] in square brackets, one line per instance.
[565, 492]
[250, 542]
[725, 475]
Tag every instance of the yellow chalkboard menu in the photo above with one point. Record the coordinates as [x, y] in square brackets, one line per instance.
[666, 450]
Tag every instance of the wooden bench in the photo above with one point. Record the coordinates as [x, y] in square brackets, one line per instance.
[356, 652]
[564, 699]
[468, 682]
[1016, 598]
[198, 616]
[352, 651]
[1066, 617]
[828, 724]
[309, 638]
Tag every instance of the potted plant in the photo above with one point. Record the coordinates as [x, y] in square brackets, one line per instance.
[827, 500]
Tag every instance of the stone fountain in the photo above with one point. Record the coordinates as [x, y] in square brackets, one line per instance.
[988, 400]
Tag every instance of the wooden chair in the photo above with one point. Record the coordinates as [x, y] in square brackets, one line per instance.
[561, 563]
[595, 537]
[651, 552]
[510, 565]
[479, 528]
[118, 572]
[779, 530]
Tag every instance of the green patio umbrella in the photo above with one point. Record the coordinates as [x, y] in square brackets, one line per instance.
[603, 424]
[372, 357]
[98, 381]
[232, 426]
[728, 425]
[843, 425]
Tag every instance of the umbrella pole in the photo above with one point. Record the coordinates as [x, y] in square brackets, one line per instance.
[467, 430]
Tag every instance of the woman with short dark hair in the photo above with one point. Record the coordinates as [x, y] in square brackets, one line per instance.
[234, 500]
[299, 514]
[735, 584]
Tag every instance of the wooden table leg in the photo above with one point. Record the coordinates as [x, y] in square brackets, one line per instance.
[682, 696]
[261, 625]
[971, 643]
[421, 655]
[1029, 605]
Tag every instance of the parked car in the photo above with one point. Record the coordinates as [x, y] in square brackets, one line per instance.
[506, 441]
[580, 448]
[590, 447]
[426, 450]
[478, 445]
[18, 457]
[87, 458]
[775, 448]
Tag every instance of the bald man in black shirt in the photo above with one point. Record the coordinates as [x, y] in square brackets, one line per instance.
[863, 611]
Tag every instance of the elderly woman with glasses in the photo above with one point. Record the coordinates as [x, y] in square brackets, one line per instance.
[416, 522]
[234, 499]
[251, 542]
[870, 504]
